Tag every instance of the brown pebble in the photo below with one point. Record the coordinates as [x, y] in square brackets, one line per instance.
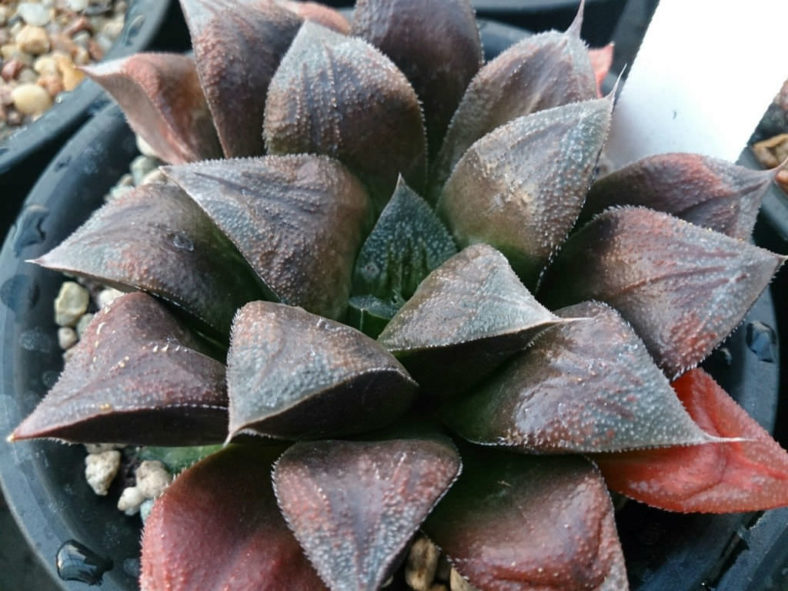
[439, 587]
[11, 69]
[421, 565]
[79, 24]
[71, 76]
[51, 83]
[95, 50]
[33, 40]
[63, 44]
[14, 118]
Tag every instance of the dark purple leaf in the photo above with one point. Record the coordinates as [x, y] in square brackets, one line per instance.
[238, 45]
[340, 96]
[540, 72]
[683, 288]
[318, 13]
[521, 187]
[161, 96]
[466, 318]
[705, 191]
[156, 239]
[298, 220]
[584, 386]
[136, 376]
[295, 375]
[218, 527]
[355, 505]
[529, 522]
[435, 44]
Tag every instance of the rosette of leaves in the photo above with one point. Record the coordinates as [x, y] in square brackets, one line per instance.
[378, 274]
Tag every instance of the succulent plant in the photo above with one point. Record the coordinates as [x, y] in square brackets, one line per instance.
[411, 313]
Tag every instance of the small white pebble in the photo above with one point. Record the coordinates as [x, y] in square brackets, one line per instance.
[458, 583]
[100, 470]
[31, 99]
[33, 40]
[71, 302]
[144, 148]
[145, 509]
[33, 13]
[83, 323]
[152, 478]
[141, 166]
[107, 295]
[130, 500]
[118, 191]
[154, 176]
[97, 448]
[66, 337]
[77, 5]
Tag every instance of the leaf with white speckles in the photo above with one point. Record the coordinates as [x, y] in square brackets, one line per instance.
[340, 96]
[466, 318]
[540, 72]
[161, 97]
[156, 239]
[297, 220]
[406, 244]
[439, 70]
[705, 191]
[683, 288]
[355, 505]
[136, 377]
[369, 314]
[218, 526]
[318, 13]
[729, 477]
[585, 386]
[521, 187]
[529, 522]
[294, 375]
[238, 45]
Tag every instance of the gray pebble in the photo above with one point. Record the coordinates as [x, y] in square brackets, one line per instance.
[33, 13]
[77, 5]
[71, 303]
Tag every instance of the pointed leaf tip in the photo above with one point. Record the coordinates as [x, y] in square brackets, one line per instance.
[683, 288]
[295, 375]
[583, 386]
[355, 505]
[577, 23]
[749, 472]
[136, 376]
[464, 320]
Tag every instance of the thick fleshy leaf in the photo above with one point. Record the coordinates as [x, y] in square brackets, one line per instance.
[601, 61]
[406, 244]
[318, 13]
[521, 187]
[529, 522]
[161, 96]
[466, 318]
[294, 375]
[746, 475]
[156, 239]
[136, 376]
[683, 288]
[705, 191]
[238, 45]
[340, 96]
[584, 386]
[355, 505]
[440, 69]
[218, 526]
[297, 220]
[540, 72]
[369, 314]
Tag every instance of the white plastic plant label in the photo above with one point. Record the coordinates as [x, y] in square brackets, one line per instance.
[705, 74]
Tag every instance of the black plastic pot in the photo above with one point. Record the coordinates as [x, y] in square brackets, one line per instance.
[44, 483]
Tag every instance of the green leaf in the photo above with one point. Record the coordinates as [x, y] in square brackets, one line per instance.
[406, 244]
[177, 459]
[369, 314]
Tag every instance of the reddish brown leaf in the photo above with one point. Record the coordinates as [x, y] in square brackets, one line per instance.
[540, 72]
[295, 375]
[530, 522]
[683, 288]
[136, 376]
[521, 187]
[318, 13]
[583, 386]
[218, 527]
[161, 96]
[297, 220]
[705, 191]
[354, 505]
[749, 475]
[340, 96]
[237, 47]
[158, 240]
[465, 319]
[601, 60]
[440, 69]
